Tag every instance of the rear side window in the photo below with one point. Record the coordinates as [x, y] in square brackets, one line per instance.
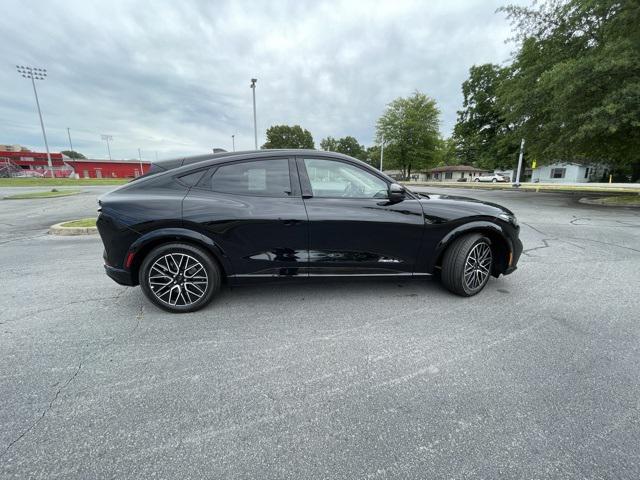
[192, 178]
[268, 178]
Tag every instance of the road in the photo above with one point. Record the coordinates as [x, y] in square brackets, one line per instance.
[537, 377]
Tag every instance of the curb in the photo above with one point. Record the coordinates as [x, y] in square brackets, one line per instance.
[58, 229]
[18, 197]
[598, 201]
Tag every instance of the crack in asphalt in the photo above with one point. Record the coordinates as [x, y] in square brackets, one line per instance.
[44, 413]
[84, 361]
[572, 222]
[546, 245]
[606, 243]
[24, 238]
[534, 228]
[75, 302]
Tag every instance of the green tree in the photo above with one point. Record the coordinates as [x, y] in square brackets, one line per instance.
[286, 136]
[347, 145]
[329, 144]
[482, 135]
[72, 154]
[445, 153]
[371, 156]
[410, 128]
[573, 90]
[350, 146]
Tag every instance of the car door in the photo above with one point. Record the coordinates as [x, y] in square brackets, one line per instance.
[253, 211]
[353, 227]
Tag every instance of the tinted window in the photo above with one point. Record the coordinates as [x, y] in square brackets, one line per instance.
[192, 178]
[265, 177]
[330, 178]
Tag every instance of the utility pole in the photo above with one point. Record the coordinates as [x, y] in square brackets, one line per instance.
[34, 74]
[233, 142]
[255, 122]
[140, 158]
[517, 182]
[381, 152]
[107, 138]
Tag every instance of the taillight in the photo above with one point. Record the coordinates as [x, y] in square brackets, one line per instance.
[129, 260]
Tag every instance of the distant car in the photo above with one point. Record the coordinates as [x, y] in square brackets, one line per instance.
[28, 174]
[197, 222]
[494, 177]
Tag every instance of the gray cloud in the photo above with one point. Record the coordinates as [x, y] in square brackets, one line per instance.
[173, 77]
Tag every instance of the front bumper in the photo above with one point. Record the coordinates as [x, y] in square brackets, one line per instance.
[517, 251]
[123, 277]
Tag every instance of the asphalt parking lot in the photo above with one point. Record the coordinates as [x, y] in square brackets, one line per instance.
[536, 377]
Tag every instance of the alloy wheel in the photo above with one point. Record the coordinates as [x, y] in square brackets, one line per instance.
[477, 266]
[178, 279]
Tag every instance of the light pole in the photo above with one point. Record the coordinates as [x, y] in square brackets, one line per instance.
[381, 152]
[140, 158]
[233, 142]
[107, 138]
[517, 182]
[69, 135]
[71, 148]
[34, 74]
[255, 123]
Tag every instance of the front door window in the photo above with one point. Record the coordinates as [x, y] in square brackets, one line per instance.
[335, 179]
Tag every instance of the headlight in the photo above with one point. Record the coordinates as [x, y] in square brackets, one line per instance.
[509, 218]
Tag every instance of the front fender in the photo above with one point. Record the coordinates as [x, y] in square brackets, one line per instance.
[480, 226]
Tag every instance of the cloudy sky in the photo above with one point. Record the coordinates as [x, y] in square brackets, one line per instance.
[172, 77]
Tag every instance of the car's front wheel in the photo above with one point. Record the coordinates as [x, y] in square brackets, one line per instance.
[467, 264]
[179, 277]
[477, 180]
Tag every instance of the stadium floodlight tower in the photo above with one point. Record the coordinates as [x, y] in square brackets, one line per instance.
[33, 74]
[107, 138]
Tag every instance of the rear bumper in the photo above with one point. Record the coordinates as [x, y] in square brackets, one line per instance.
[123, 277]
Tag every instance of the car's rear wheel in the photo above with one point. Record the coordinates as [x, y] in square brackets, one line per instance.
[467, 264]
[179, 277]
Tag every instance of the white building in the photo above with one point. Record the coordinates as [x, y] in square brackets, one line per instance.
[566, 172]
[453, 173]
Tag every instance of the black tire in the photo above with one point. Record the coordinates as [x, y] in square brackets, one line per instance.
[476, 180]
[457, 259]
[494, 180]
[189, 295]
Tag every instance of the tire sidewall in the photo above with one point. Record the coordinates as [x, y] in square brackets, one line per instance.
[213, 274]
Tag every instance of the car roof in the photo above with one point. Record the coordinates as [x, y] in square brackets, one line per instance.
[170, 164]
[183, 165]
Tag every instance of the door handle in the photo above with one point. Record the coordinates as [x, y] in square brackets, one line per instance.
[290, 222]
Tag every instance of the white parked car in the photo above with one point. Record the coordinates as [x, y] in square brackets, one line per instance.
[493, 177]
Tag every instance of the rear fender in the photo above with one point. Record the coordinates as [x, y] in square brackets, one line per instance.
[146, 242]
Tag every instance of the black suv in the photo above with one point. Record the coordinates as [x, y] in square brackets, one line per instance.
[192, 223]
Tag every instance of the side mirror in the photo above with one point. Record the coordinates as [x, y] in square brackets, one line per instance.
[396, 193]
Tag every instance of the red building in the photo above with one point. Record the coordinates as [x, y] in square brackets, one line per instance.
[35, 164]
